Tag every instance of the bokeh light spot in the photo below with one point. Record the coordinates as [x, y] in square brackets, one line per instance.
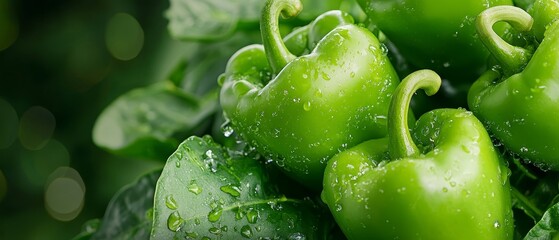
[64, 194]
[9, 27]
[8, 124]
[124, 37]
[38, 165]
[36, 128]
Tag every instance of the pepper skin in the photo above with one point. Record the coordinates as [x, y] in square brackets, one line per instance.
[519, 102]
[300, 111]
[303, 40]
[452, 185]
[544, 13]
[434, 34]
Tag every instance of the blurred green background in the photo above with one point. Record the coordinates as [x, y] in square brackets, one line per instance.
[61, 63]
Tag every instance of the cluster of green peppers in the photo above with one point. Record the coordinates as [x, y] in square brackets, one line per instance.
[327, 106]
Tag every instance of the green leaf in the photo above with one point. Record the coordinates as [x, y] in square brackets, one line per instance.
[548, 227]
[216, 19]
[149, 122]
[128, 215]
[523, 203]
[210, 19]
[208, 61]
[203, 192]
[88, 229]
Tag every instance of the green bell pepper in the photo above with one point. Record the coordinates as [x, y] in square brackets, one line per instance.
[434, 34]
[544, 13]
[303, 40]
[518, 102]
[300, 111]
[452, 185]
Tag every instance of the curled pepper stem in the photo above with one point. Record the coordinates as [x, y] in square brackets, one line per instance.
[512, 58]
[277, 53]
[483, 82]
[401, 144]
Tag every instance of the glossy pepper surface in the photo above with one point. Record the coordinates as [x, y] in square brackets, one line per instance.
[300, 111]
[519, 103]
[544, 13]
[444, 181]
[434, 34]
[303, 40]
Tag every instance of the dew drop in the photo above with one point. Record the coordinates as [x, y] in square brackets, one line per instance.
[239, 214]
[214, 230]
[246, 231]
[178, 164]
[252, 215]
[325, 76]
[174, 221]
[210, 161]
[171, 203]
[297, 236]
[384, 49]
[191, 235]
[338, 207]
[318, 93]
[466, 149]
[445, 189]
[227, 131]
[497, 224]
[194, 188]
[231, 190]
[215, 214]
[307, 106]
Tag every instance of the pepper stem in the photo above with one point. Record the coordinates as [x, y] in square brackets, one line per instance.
[401, 144]
[512, 58]
[482, 83]
[277, 53]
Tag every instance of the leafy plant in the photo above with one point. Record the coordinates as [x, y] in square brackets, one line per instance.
[203, 192]
[214, 185]
[129, 214]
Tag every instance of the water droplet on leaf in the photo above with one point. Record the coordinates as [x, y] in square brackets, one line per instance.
[174, 221]
[171, 203]
[297, 236]
[231, 190]
[194, 188]
[214, 230]
[246, 231]
[252, 215]
[215, 214]
[227, 131]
